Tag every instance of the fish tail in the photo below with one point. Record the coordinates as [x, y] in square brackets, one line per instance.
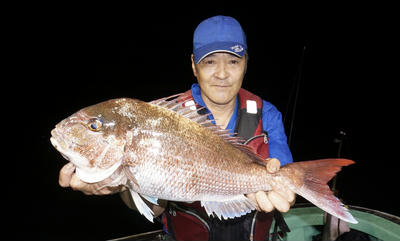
[314, 176]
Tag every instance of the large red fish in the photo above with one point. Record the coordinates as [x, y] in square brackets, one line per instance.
[166, 150]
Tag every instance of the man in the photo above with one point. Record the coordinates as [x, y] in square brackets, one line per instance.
[219, 62]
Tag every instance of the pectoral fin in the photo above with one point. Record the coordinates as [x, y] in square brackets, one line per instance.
[153, 200]
[231, 207]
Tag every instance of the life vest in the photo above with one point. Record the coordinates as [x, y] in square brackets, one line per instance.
[189, 221]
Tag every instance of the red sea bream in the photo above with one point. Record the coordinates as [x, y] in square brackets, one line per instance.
[166, 150]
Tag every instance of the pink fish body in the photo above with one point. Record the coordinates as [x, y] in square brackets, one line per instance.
[166, 150]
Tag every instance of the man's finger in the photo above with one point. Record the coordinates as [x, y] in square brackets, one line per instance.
[78, 185]
[263, 201]
[278, 201]
[65, 175]
[291, 196]
[252, 197]
[287, 194]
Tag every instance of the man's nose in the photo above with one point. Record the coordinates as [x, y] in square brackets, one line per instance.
[221, 71]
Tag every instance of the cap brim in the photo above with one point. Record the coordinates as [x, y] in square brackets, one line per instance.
[227, 47]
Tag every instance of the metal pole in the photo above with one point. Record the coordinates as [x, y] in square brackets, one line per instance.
[341, 135]
[326, 233]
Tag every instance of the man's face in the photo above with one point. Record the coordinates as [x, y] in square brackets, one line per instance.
[220, 76]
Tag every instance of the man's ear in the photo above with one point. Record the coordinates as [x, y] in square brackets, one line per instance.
[193, 66]
[246, 55]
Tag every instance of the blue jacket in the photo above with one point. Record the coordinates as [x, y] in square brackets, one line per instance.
[272, 124]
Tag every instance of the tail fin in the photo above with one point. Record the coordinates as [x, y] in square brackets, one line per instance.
[316, 174]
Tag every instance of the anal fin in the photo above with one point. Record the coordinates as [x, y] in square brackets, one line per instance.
[231, 207]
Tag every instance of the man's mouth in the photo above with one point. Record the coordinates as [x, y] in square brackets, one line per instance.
[222, 86]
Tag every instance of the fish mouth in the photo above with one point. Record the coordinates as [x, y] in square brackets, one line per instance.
[86, 174]
[56, 145]
[55, 140]
[92, 175]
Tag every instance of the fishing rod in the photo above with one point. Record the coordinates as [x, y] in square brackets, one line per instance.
[296, 88]
[279, 220]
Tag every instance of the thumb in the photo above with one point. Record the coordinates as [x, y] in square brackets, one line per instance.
[273, 165]
[78, 185]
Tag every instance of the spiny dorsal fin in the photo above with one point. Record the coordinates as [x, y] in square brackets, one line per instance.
[162, 100]
[188, 109]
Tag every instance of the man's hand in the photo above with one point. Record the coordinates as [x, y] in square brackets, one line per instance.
[68, 178]
[281, 199]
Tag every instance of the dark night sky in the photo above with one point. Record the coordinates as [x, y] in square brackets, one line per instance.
[109, 54]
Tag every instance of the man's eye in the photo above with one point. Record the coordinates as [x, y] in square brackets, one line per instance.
[209, 61]
[234, 61]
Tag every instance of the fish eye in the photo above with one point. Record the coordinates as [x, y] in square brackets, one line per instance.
[95, 124]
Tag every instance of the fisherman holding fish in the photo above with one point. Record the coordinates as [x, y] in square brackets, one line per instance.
[219, 63]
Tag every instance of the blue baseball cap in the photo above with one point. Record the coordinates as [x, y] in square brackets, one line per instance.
[218, 34]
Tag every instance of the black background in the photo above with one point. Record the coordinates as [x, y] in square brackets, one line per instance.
[73, 57]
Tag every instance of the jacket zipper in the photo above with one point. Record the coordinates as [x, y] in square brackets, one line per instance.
[252, 226]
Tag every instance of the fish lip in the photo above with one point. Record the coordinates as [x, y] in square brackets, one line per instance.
[58, 147]
[100, 175]
[55, 141]
[55, 132]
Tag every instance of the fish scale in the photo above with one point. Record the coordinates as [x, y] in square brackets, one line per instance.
[169, 151]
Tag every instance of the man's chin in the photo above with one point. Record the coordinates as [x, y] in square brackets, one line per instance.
[222, 100]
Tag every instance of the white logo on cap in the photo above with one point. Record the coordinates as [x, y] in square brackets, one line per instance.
[237, 48]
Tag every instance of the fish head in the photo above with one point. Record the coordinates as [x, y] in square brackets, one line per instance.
[93, 139]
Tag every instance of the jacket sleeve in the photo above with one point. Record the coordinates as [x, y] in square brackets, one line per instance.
[273, 125]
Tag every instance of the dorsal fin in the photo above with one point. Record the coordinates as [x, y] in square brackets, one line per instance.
[185, 109]
[251, 153]
[164, 99]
